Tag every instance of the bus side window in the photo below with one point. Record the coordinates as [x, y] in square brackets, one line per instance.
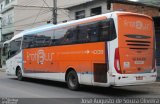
[64, 36]
[112, 30]
[71, 36]
[107, 30]
[28, 41]
[59, 36]
[47, 41]
[83, 36]
[104, 28]
[43, 39]
[39, 41]
[93, 32]
[15, 47]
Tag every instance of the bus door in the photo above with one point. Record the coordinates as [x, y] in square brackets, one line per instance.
[14, 55]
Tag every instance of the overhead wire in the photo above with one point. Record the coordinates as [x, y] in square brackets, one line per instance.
[67, 15]
[30, 2]
[38, 14]
[30, 7]
[31, 16]
[4, 27]
[26, 24]
[47, 4]
[57, 8]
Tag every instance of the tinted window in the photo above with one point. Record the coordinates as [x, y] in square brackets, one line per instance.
[44, 39]
[65, 36]
[71, 36]
[97, 31]
[59, 36]
[14, 47]
[29, 41]
[41, 39]
[107, 30]
[83, 35]
[93, 32]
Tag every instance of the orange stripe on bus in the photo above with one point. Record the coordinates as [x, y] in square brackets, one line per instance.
[59, 58]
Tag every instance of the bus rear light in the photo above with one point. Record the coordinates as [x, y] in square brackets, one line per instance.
[116, 61]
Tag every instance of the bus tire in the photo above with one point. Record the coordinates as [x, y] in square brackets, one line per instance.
[19, 74]
[72, 80]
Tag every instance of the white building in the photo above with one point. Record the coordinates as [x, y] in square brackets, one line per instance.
[19, 15]
[95, 7]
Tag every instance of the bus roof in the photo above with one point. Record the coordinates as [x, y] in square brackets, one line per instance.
[51, 26]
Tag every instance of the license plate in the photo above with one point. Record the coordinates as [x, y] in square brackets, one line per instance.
[139, 78]
[139, 62]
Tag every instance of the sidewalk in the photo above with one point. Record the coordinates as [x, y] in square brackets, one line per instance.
[2, 70]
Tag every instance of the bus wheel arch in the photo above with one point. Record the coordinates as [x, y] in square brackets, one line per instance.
[19, 73]
[71, 79]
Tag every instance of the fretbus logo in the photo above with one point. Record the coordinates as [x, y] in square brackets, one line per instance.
[40, 56]
[137, 25]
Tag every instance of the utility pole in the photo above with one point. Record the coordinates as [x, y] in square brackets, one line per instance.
[54, 12]
[1, 43]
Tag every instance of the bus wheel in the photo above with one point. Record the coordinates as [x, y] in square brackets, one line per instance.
[72, 80]
[19, 75]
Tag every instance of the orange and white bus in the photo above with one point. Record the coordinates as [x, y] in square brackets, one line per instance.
[112, 49]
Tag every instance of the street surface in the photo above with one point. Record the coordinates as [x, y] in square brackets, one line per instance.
[10, 87]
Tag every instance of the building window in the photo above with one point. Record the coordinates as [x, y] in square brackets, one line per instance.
[109, 4]
[3, 22]
[1, 6]
[10, 19]
[7, 2]
[96, 11]
[80, 14]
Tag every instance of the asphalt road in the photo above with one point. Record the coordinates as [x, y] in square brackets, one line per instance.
[10, 87]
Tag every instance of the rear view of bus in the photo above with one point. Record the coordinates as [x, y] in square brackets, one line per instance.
[134, 59]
